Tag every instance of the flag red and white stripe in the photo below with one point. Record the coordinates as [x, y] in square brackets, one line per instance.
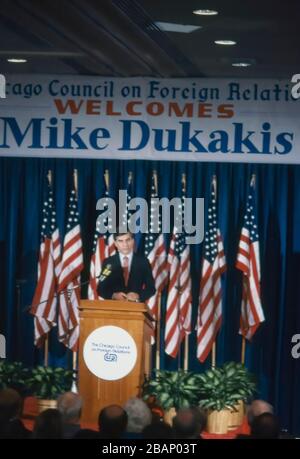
[210, 298]
[248, 262]
[69, 279]
[44, 304]
[156, 253]
[179, 301]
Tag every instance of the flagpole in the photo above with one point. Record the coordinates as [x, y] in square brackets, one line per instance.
[186, 337]
[214, 346]
[213, 355]
[74, 363]
[158, 325]
[243, 350]
[186, 353]
[158, 318]
[46, 344]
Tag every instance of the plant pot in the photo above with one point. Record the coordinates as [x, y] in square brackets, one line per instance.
[43, 404]
[169, 415]
[236, 417]
[217, 421]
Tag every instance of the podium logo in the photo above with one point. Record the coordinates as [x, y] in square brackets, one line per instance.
[110, 357]
[110, 353]
[2, 87]
[2, 347]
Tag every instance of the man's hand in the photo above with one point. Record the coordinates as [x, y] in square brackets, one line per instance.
[132, 296]
[119, 296]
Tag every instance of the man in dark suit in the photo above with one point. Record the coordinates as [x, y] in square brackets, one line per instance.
[126, 275]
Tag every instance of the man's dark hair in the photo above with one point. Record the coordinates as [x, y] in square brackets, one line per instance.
[48, 424]
[121, 233]
[112, 421]
[265, 426]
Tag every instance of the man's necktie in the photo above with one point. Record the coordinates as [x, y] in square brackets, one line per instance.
[125, 270]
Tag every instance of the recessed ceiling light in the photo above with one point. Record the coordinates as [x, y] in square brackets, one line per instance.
[241, 64]
[205, 12]
[17, 61]
[180, 28]
[225, 42]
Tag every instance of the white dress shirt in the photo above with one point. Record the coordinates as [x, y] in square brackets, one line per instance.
[129, 256]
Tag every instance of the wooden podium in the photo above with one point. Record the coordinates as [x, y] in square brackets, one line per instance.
[135, 319]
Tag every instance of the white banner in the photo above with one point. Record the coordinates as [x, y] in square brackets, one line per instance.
[226, 120]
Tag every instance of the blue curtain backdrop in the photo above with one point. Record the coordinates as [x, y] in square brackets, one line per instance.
[278, 203]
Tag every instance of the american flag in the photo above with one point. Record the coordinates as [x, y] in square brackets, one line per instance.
[156, 253]
[248, 262]
[103, 247]
[210, 299]
[69, 279]
[179, 301]
[44, 304]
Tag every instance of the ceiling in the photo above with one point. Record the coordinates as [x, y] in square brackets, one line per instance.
[120, 37]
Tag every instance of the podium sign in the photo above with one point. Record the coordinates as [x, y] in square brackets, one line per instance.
[114, 353]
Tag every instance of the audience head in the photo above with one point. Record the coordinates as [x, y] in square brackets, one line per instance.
[112, 421]
[201, 417]
[158, 430]
[139, 415]
[69, 405]
[257, 408]
[48, 424]
[10, 405]
[185, 423]
[265, 425]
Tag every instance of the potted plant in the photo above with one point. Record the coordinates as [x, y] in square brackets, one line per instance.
[241, 382]
[172, 390]
[223, 391]
[14, 375]
[47, 383]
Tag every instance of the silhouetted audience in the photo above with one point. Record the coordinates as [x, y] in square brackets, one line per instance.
[187, 423]
[11, 405]
[257, 408]
[69, 405]
[112, 422]
[48, 425]
[158, 430]
[265, 425]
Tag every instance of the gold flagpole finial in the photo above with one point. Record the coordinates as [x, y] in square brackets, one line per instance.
[106, 178]
[214, 184]
[75, 178]
[183, 181]
[155, 181]
[49, 176]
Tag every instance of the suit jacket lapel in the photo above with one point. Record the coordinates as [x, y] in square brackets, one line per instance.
[119, 271]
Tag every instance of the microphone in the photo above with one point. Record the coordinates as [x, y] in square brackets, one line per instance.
[105, 273]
